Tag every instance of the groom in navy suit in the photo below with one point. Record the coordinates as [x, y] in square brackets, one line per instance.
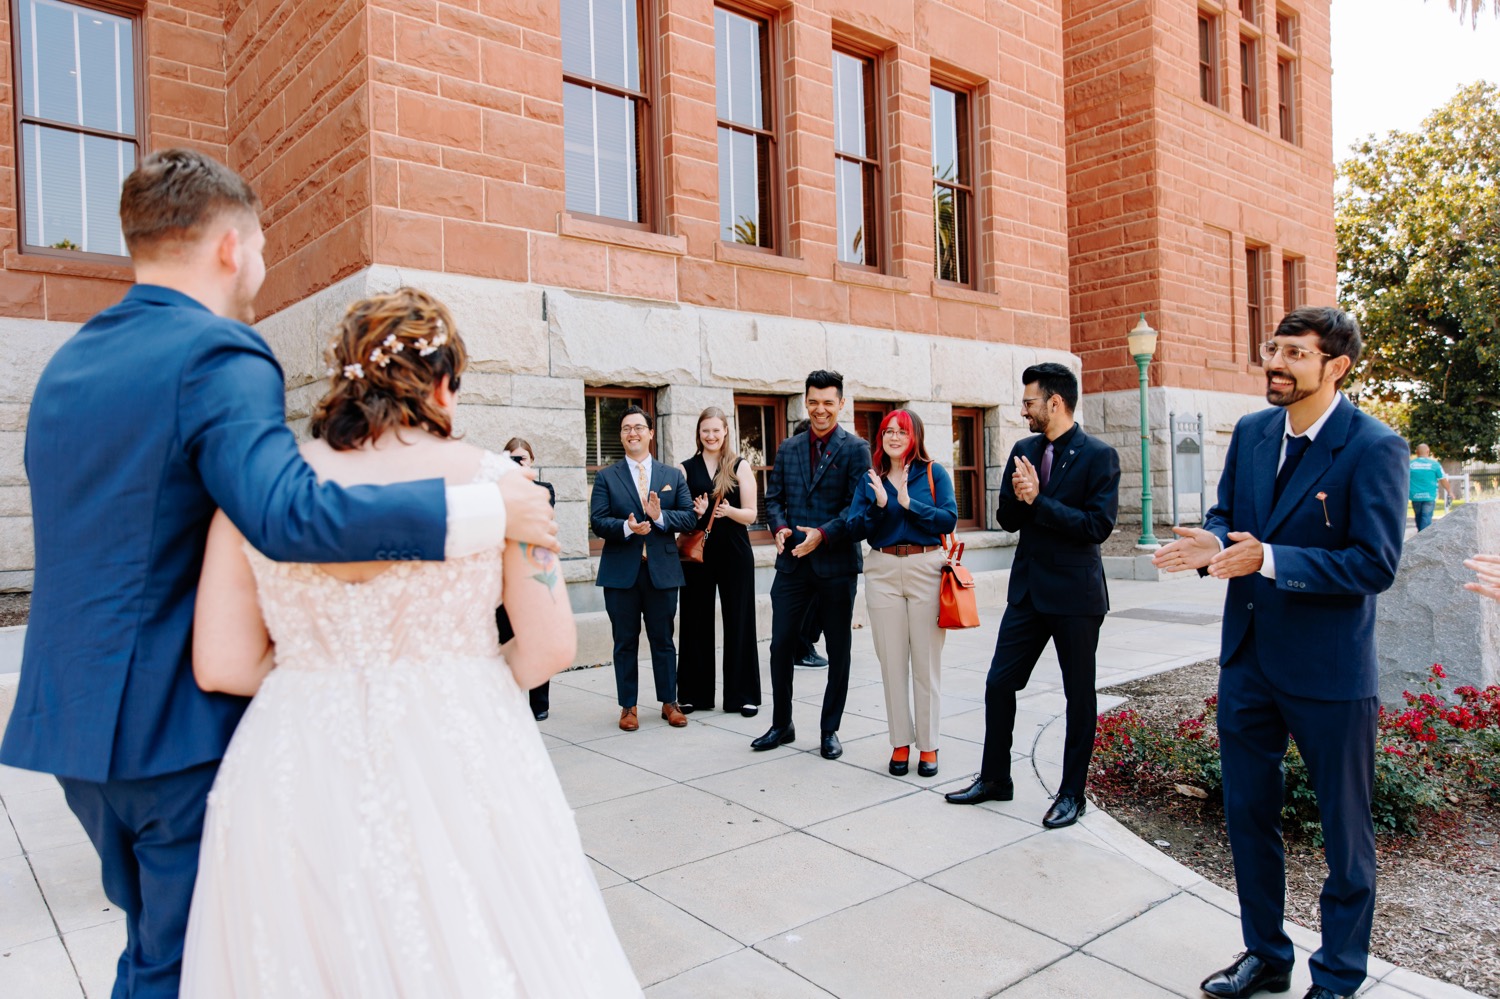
[1307, 529]
[157, 411]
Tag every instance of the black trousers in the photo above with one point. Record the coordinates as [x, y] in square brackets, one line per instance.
[812, 630]
[147, 833]
[733, 578]
[790, 594]
[627, 608]
[1337, 742]
[1024, 633]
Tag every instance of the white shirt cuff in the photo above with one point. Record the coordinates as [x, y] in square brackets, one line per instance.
[476, 519]
[1268, 561]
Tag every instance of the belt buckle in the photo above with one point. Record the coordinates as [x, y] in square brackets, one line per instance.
[903, 550]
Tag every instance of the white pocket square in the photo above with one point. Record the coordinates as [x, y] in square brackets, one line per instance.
[666, 488]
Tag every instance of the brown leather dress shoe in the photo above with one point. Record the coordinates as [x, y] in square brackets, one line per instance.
[673, 715]
[629, 721]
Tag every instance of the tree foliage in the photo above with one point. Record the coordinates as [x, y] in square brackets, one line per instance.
[1418, 220]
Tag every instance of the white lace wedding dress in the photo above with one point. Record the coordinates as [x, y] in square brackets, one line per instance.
[386, 821]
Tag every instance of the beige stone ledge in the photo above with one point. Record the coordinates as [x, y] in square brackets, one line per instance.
[851, 274]
[743, 256]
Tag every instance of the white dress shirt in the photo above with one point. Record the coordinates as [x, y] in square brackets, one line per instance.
[476, 519]
[1268, 559]
[636, 468]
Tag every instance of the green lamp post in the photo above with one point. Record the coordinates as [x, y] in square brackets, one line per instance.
[1142, 342]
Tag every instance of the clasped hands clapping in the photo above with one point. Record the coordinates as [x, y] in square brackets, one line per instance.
[1196, 548]
[653, 514]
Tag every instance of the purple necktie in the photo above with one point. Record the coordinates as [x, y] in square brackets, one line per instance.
[1045, 472]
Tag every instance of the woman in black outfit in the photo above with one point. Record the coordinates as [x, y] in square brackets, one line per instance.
[541, 697]
[724, 496]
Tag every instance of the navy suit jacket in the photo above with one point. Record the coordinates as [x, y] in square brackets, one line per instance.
[614, 499]
[799, 496]
[1057, 560]
[1316, 619]
[155, 413]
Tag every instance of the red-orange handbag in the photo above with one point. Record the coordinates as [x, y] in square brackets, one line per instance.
[958, 604]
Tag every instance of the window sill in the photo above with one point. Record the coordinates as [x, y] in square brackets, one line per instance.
[1214, 364]
[729, 253]
[963, 293]
[851, 274]
[38, 264]
[573, 227]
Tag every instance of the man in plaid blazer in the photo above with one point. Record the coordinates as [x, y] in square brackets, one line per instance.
[808, 494]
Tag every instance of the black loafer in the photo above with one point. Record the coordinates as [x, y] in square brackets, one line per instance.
[750, 710]
[540, 716]
[1064, 811]
[982, 790]
[774, 737]
[1245, 977]
[686, 709]
[898, 768]
[831, 749]
[812, 661]
[925, 769]
[1323, 992]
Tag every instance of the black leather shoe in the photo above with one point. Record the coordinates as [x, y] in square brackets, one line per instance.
[812, 661]
[1064, 811]
[687, 709]
[749, 710]
[832, 749]
[898, 768]
[540, 716]
[1247, 976]
[775, 736]
[982, 790]
[925, 769]
[1323, 992]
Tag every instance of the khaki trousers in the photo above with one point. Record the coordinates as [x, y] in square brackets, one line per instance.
[901, 595]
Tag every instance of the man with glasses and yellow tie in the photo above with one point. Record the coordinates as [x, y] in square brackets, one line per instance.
[637, 506]
[1307, 529]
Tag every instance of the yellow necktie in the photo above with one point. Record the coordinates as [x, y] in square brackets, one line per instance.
[642, 485]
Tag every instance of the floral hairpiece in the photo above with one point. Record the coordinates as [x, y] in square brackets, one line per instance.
[389, 347]
[424, 347]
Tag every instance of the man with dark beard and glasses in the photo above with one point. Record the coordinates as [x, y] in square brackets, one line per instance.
[1307, 529]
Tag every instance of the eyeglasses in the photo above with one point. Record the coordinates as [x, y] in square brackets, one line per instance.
[896, 432]
[634, 428]
[1028, 403]
[1291, 352]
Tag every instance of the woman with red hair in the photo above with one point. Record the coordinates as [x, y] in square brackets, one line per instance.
[903, 509]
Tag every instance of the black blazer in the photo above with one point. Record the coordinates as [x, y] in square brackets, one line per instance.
[614, 499]
[1057, 561]
[799, 496]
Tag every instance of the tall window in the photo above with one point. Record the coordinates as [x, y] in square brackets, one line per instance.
[1291, 283]
[856, 159]
[1286, 106]
[762, 426]
[968, 466]
[1249, 74]
[1284, 28]
[603, 409]
[79, 124]
[1208, 59]
[1254, 276]
[952, 187]
[606, 109]
[747, 140]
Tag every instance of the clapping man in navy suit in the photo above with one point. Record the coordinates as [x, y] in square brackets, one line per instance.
[1307, 529]
[157, 411]
[1062, 496]
[818, 559]
[638, 505]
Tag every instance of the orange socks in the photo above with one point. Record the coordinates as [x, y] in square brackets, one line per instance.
[929, 757]
[901, 755]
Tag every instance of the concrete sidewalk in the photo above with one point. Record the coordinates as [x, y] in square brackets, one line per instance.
[782, 875]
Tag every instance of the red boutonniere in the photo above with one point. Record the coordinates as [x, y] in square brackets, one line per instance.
[1323, 498]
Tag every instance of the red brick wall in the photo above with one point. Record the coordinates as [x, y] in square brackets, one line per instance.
[1166, 190]
[183, 42]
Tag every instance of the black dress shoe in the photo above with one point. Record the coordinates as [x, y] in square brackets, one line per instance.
[925, 769]
[1064, 811]
[540, 716]
[982, 790]
[832, 749]
[898, 768]
[812, 661]
[749, 710]
[1323, 992]
[775, 736]
[1245, 977]
[687, 709]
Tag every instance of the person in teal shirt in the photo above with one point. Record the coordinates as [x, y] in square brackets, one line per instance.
[1426, 476]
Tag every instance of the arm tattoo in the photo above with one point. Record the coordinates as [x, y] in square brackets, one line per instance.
[546, 564]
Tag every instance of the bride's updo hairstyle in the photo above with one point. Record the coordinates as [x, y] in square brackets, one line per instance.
[385, 359]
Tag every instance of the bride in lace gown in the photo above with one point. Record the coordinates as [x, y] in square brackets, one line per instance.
[386, 822]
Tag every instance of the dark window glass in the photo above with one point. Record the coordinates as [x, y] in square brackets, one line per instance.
[1249, 70]
[968, 466]
[1286, 108]
[603, 409]
[1253, 278]
[867, 418]
[952, 186]
[79, 133]
[606, 109]
[762, 427]
[856, 166]
[746, 139]
[1208, 77]
[1291, 283]
[1284, 29]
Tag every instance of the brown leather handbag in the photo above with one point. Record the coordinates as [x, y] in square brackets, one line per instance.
[690, 543]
